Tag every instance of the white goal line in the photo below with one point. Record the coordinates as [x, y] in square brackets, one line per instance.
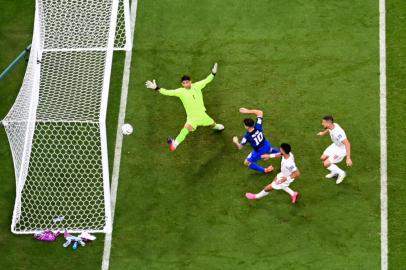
[119, 138]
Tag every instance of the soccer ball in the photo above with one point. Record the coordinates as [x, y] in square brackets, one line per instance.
[126, 129]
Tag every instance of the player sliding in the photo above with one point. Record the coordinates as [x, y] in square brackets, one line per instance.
[288, 174]
[257, 140]
[336, 152]
[192, 98]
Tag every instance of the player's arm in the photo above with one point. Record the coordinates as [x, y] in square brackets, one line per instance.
[154, 86]
[237, 142]
[258, 113]
[201, 84]
[322, 133]
[171, 93]
[268, 156]
[347, 144]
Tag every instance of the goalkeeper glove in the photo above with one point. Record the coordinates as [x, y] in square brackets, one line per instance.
[214, 69]
[152, 85]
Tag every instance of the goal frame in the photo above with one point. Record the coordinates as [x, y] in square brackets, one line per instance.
[21, 169]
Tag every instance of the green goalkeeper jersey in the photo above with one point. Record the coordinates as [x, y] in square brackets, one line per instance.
[192, 98]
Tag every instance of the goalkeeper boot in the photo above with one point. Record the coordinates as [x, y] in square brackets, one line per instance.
[172, 144]
[218, 127]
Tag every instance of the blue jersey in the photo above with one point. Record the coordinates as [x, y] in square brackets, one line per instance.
[256, 138]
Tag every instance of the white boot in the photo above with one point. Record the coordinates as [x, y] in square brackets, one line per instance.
[218, 127]
[331, 175]
[340, 178]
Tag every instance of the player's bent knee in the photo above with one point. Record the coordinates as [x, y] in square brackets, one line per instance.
[247, 163]
[268, 188]
[326, 163]
[189, 127]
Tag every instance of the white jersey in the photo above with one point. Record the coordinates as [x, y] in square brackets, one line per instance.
[288, 165]
[337, 135]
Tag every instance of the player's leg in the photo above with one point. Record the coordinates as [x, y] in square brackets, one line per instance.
[338, 156]
[334, 170]
[334, 156]
[292, 193]
[251, 160]
[265, 192]
[275, 185]
[173, 143]
[206, 120]
[273, 150]
[325, 158]
[255, 156]
[285, 186]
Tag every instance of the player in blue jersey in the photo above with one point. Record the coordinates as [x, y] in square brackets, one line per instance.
[255, 137]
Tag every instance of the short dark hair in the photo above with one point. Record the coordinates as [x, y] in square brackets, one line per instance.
[329, 118]
[286, 147]
[249, 122]
[185, 78]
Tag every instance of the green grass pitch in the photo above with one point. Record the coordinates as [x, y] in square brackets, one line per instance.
[295, 60]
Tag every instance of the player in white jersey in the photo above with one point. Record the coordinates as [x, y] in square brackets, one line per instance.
[336, 152]
[289, 172]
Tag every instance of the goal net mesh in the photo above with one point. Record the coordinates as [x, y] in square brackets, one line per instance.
[56, 127]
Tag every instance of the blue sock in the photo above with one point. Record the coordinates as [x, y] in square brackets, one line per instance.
[275, 150]
[256, 167]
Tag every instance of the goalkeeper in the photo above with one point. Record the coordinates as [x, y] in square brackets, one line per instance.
[192, 98]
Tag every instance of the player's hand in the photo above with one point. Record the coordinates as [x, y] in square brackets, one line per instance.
[349, 162]
[214, 69]
[235, 140]
[243, 110]
[266, 156]
[151, 85]
[320, 133]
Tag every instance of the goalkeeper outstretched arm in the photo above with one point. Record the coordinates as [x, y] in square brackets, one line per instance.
[154, 86]
[201, 84]
[186, 83]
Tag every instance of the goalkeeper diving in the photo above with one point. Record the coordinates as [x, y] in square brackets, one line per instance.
[192, 99]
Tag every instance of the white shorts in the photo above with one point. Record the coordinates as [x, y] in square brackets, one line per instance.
[335, 154]
[284, 184]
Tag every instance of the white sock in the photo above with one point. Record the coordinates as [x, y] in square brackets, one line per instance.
[289, 190]
[261, 194]
[334, 169]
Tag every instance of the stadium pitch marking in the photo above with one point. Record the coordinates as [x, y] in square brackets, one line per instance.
[119, 137]
[383, 136]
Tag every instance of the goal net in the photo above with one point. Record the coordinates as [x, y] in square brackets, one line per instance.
[56, 127]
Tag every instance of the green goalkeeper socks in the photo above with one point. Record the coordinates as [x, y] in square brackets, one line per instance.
[182, 135]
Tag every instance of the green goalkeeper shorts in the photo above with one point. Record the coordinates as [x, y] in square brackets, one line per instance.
[201, 120]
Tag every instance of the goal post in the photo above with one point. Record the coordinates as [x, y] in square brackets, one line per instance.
[57, 125]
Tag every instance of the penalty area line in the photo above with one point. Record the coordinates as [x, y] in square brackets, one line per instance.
[119, 137]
